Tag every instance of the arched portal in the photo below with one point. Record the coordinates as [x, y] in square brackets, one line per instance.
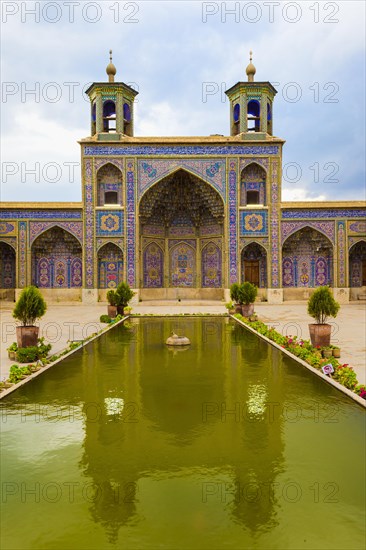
[110, 266]
[307, 259]
[7, 271]
[253, 185]
[254, 265]
[357, 265]
[180, 216]
[56, 260]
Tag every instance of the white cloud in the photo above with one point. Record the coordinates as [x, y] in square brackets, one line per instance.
[36, 159]
[299, 194]
[170, 52]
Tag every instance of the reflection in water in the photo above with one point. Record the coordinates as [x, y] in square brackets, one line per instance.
[202, 409]
[183, 450]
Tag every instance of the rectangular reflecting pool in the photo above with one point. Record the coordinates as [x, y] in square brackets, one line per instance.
[228, 444]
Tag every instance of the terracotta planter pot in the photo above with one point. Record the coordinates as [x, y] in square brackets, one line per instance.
[327, 353]
[112, 311]
[320, 334]
[247, 310]
[336, 353]
[12, 355]
[27, 336]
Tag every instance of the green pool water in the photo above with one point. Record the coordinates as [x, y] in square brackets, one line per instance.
[229, 444]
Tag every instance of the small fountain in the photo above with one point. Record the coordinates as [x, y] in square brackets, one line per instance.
[175, 340]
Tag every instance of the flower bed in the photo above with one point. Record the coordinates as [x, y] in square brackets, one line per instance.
[343, 373]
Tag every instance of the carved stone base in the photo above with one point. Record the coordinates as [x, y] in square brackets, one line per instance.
[89, 296]
[275, 295]
[341, 295]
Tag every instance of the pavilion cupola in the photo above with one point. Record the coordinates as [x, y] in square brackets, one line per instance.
[111, 107]
[251, 106]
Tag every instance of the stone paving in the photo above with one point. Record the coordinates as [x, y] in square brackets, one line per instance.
[77, 321]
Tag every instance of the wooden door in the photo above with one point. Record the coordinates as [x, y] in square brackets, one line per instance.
[251, 272]
[363, 277]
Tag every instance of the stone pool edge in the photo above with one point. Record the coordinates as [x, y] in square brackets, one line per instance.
[14, 387]
[328, 380]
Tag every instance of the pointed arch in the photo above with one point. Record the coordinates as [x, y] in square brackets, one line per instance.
[211, 266]
[357, 264]
[309, 226]
[7, 265]
[182, 260]
[109, 181]
[307, 259]
[178, 211]
[59, 225]
[253, 184]
[254, 264]
[110, 265]
[100, 162]
[172, 172]
[9, 243]
[153, 266]
[56, 258]
[100, 245]
[178, 190]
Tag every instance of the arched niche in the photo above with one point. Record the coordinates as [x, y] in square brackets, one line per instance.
[7, 271]
[253, 185]
[254, 264]
[180, 210]
[357, 265]
[307, 259]
[56, 258]
[110, 266]
[109, 185]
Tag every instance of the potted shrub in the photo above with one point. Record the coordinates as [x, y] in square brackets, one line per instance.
[321, 305]
[123, 295]
[327, 352]
[230, 306]
[234, 295]
[12, 351]
[112, 304]
[29, 307]
[247, 294]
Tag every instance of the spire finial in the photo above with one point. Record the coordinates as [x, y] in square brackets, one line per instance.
[251, 70]
[111, 69]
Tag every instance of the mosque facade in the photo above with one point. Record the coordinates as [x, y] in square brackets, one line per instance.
[182, 217]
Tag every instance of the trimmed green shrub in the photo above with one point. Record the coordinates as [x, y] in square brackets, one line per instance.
[123, 294]
[322, 305]
[247, 293]
[112, 298]
[234, 292]
[30, 306]
[105, 319]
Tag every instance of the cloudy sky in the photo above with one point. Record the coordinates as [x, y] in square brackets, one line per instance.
[181, 56]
